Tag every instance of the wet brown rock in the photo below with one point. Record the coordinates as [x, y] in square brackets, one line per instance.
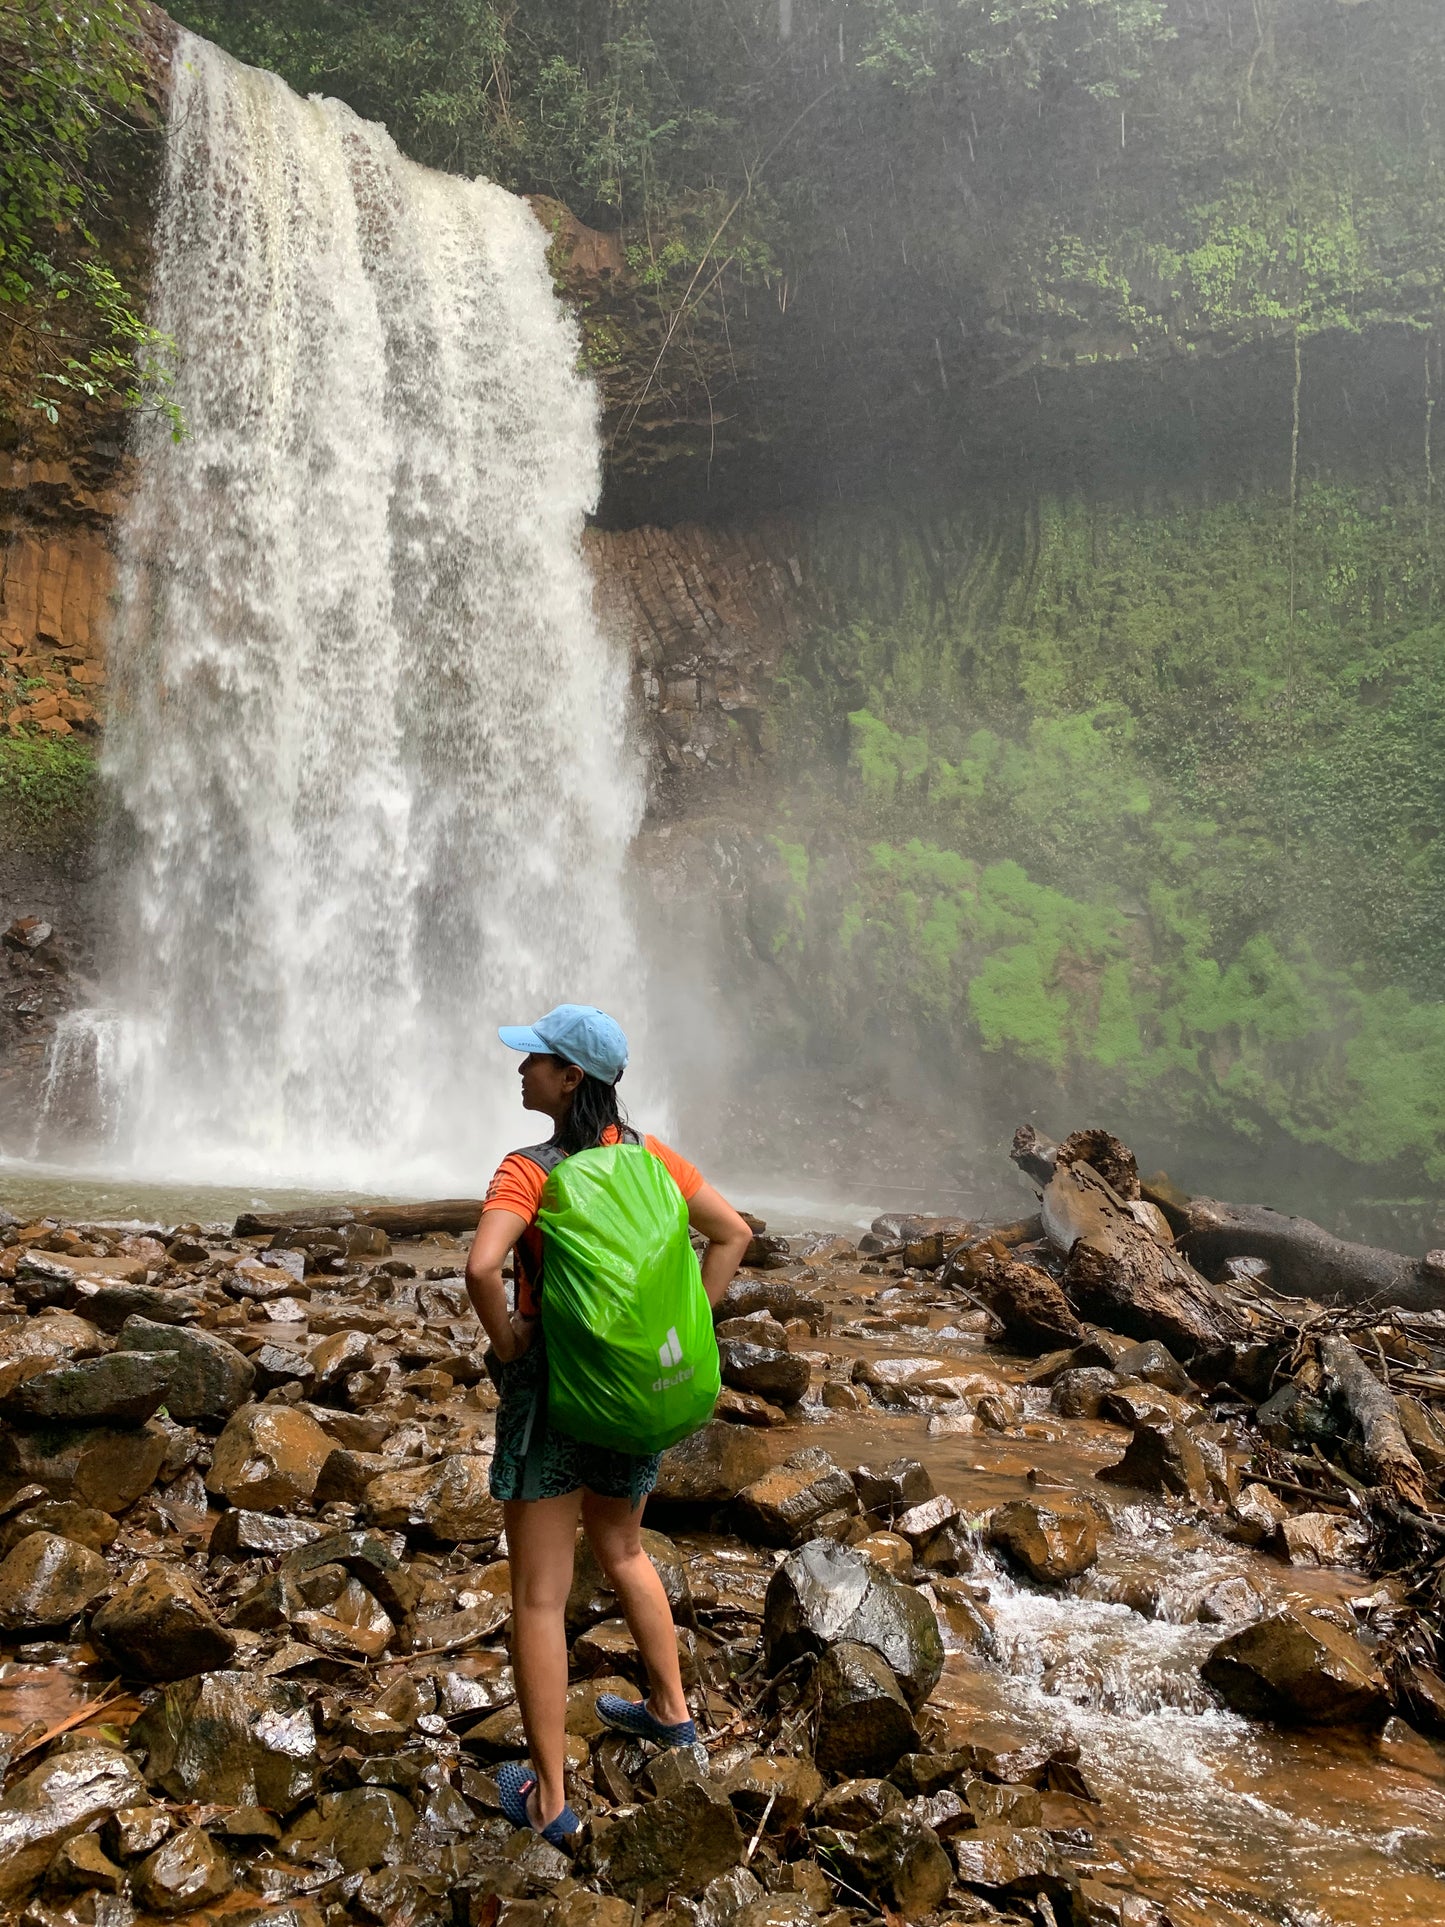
[83, 1523]
[887, 1550]
[1162, 1458]
[1009, 1860]
[855, 1804]
[94, 1465]
[159, 1627]
[346, 1475]
[673, 1845]
[61, 1797]
[894, 1487]
[1096, 1904]
[268, 1457]
[363, 1828]
[239, 1534]
[185, 1872]
[711, 1467]
[744, 1408]
[775, 1295]
[1323, 1539]
[591, 1599]
[784, 1506]
[994, 1805]
[1154, 1364]
[119, 1388]
[449, 1500]
[864, 1724]
[234, 1738]
[778, 1376]
[364, 1557]
[131, 1832]
[758, 1328]
[824, 1593]
[1257, 1515]
[110, 1306]
[1294, 1667]
[792, 1786]
[82, 1865]
[1051, 1543]
[56, 1334]
[1077, 1392]
[46, 1581]
[209, 1379]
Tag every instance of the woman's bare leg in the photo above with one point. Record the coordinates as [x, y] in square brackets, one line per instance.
[541, 1539]
[615, 1529]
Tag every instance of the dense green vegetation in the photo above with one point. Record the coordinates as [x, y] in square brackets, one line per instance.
[48, 792]
[1080, 789]
[910, 194]
[73, 83]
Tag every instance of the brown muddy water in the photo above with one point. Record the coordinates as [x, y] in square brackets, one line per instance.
[1221, 1819]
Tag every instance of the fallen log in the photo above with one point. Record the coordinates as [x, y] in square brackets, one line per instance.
[1388, 1457]
[1120, 1276]
[396, 1220]
[1305, 1261]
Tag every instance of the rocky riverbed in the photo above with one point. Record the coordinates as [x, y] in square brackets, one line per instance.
[976, 1625]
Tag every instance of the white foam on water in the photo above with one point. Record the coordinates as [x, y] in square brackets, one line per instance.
[368, 744]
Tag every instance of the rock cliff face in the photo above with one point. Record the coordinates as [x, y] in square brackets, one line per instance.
[57, 574]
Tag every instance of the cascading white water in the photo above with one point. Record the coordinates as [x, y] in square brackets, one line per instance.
[368, 744]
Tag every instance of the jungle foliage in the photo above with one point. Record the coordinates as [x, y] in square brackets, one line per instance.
[73, 88]
[1077, 781]
[933, 187]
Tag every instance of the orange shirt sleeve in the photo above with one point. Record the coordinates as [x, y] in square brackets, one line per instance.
[685, 1176]
[517, 1186]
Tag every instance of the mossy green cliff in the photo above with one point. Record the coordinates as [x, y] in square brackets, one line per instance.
[1073, 785]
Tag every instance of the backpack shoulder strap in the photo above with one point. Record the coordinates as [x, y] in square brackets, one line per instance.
[545, 1156]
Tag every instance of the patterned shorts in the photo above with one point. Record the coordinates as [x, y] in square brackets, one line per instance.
[533, 1460]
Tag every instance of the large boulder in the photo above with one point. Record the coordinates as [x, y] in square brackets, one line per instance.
[46, 1581]
[68, 1792]
[1162, 1456]
[107, 1467]
[675, 1844]
[361, 1828]
[109, 1306]
[159, 1627]
[1051, 1542]
[792, 1502]
[710, 1467]
[1031, 1306]
[448, 1500]
[864, 1724]
[902, 1862]
[894, 1487]
[209, 1380]
[83, 1523]
[56, 1334]
[186, 1872]
[119, 1388]
[592, 1600]
[780, 1377]
[824, 1594]
[1296, 1668]
[233, 1738]
[269, 1457]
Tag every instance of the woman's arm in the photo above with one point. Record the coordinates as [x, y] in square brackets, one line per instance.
[728, 1237]
[509, 1332]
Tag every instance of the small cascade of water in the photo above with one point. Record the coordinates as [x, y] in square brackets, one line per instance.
[368, 744]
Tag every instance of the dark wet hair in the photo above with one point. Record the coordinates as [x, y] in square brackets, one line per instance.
[593, 1108]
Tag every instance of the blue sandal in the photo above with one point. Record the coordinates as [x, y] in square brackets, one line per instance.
[515, 1781]
[632, 1717]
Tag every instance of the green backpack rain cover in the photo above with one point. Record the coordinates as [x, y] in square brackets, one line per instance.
[632, 1362]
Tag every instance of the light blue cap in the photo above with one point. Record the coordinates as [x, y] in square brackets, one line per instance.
[586, 1037]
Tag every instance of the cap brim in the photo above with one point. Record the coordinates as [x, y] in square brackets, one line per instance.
[522, 1037]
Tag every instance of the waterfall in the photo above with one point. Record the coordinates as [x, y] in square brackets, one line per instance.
[368, 745]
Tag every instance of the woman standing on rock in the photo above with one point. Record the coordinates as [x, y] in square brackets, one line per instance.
[547, 1478]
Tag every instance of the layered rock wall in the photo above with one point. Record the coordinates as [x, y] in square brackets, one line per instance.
[57, 578]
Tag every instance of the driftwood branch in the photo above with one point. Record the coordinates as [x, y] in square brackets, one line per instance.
[1304, 1259]
[1388, 1457]
[396, 1220]
[1121, 1275]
